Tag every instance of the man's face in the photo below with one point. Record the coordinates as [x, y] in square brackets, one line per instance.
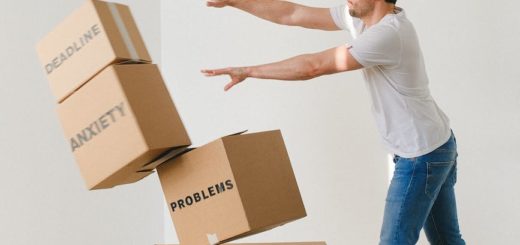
[360, 8]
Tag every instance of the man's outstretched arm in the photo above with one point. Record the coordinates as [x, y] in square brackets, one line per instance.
[302, 67]
[282, 12]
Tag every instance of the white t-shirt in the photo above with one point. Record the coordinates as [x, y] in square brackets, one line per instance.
[409, 121]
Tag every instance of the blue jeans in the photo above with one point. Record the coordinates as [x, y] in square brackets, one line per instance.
[421, 195]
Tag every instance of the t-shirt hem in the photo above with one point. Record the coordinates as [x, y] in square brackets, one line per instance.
[421, 152]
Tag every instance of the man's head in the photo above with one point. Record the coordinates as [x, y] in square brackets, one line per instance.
[361, 8]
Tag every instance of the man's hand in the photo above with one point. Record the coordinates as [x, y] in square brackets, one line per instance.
[218, 3]
[237, 75]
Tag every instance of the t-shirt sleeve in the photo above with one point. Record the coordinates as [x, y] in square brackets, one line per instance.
[380, 45]
[339, 15]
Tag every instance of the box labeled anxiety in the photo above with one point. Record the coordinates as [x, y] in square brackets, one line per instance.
[235, 186]
[118, 122]
[94, 36]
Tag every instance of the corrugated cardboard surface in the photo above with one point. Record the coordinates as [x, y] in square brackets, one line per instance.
[115, 36]
[77, 60]
[265, 193]
[196, 172]
[255, 156]
[127, 117]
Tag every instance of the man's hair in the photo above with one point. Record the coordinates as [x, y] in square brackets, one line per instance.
[391, 1]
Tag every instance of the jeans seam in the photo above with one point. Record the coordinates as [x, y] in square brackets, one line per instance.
[428, 172]
[438, 240]
[414, 163]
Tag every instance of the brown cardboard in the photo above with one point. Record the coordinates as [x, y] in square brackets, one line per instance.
[118, 122]
[230, 188]
[167, 155]
[91, 38]
[278, 243]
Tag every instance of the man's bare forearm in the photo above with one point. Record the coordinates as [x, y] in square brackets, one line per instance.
[307, 66]
[276, 11]
[293, 69]
[302, 67]
[282, 12]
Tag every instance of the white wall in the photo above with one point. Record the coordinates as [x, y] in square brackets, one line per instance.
[471, 51]
[43, 198]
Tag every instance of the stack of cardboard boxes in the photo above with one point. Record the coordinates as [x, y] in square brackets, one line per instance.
[121, 124]
[114, 107]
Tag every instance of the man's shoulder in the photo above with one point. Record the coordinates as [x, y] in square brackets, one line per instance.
[383, 29]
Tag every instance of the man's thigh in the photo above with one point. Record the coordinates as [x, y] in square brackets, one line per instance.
[412, 192]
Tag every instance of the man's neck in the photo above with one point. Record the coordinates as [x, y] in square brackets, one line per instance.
[379, 12]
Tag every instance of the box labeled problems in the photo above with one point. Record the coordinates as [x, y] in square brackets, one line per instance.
[233, 187]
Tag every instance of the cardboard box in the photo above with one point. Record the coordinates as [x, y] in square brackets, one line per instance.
[91, 38]
[279, 243]
[232, 187]
[118, 122]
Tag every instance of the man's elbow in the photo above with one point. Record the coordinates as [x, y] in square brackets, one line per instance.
[286, 20]
[312, 70]
[290, 16]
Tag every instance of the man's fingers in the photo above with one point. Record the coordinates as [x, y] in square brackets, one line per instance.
[229, 85]
[215, 3]
[225, 71]
[216, 72]
[207, 73]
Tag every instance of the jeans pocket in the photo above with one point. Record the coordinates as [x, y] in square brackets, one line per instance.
[437, 174]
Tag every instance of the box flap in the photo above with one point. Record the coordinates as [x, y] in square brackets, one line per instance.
[195, 146]
[237, 133]
[172, 153]
[133, 62]
[176, 152]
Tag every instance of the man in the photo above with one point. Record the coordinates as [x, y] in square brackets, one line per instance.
[412, 126]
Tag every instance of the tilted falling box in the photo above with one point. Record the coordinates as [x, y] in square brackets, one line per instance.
[91, 38]
[230, 188]
[118, 122]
